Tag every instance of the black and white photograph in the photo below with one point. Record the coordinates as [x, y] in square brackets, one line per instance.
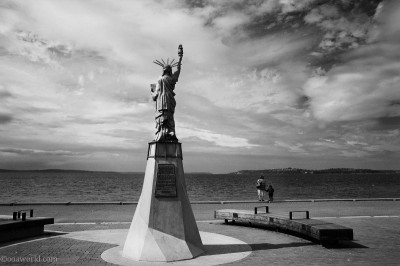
[199, 132]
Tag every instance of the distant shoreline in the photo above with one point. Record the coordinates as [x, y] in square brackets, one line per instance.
[312, 171]
[80, 171]
[63, 171]
[241, 172]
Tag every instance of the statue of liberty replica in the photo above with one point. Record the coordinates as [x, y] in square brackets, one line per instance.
[163, 94]
[163, 227]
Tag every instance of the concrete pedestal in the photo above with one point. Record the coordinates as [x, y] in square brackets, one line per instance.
[163, 227]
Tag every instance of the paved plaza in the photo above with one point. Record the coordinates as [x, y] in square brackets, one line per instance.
[376, 226]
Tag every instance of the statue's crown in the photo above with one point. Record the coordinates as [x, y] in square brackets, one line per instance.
[166, 65]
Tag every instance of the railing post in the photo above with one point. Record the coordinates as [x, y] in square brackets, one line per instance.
[307, 214]
[23, 216]
[255, 210]
[15, 215]
[290, 215]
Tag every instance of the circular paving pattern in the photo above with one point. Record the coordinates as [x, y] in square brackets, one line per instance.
[219, 249]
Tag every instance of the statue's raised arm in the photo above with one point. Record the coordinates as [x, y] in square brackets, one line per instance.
[178, 66]
[163, 94]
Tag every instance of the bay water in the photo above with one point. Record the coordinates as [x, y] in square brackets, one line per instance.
[105, 187]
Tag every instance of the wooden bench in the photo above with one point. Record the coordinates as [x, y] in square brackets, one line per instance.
[13, 228]
[321, 231]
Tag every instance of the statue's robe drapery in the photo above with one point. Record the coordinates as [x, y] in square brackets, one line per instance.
[165, 107]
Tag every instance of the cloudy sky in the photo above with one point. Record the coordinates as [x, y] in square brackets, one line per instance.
[264, 84]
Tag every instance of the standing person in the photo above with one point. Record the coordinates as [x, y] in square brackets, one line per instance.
[260, 188]
[270, 191]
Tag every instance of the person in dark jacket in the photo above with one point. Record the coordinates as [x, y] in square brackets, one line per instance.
[270, 191]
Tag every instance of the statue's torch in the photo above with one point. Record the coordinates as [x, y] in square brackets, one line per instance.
[180, 50]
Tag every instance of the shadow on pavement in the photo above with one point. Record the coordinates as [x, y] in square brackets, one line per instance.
[266, 246]
[47, 234]
[236, 248]
[343, 245]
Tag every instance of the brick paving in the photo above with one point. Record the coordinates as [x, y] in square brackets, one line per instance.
[66, 251]
[377, 242]
[374, 245]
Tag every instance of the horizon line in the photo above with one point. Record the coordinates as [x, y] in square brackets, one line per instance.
[198, 172]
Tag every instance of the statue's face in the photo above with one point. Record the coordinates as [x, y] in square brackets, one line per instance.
[167, 71]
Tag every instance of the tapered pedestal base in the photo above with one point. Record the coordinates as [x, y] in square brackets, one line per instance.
[163, 227]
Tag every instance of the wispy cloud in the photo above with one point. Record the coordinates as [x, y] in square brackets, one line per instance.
[5, 118]
[365, 84]
[41, 152]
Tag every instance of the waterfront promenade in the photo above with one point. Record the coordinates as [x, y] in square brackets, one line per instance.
[376, 226]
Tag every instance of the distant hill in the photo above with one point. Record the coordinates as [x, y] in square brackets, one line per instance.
[198, 173]
[82, 171]
[290, 170]
[60, 171]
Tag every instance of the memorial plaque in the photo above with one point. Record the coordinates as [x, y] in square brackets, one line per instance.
[166, 181]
